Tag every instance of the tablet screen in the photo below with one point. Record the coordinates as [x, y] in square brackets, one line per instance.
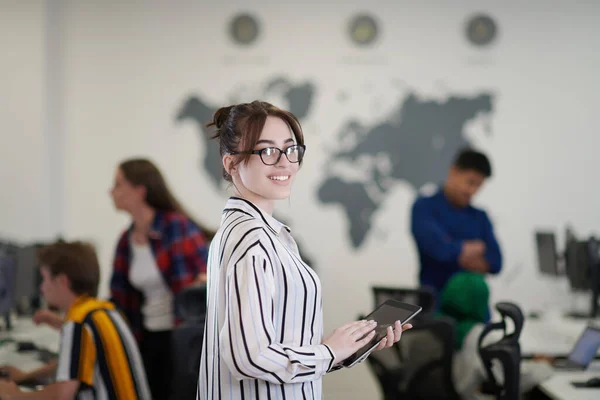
[385, 315]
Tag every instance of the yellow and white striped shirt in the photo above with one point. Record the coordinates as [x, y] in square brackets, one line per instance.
[98, 349]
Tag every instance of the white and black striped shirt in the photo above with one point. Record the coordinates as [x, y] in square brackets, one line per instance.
[264, 323]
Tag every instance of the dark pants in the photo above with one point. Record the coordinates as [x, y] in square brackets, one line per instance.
[156, 353]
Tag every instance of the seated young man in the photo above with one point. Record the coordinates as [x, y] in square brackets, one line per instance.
[465, 299]
[98, 358]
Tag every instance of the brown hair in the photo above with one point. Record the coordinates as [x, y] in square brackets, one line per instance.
[140, 171]
[239, 126]
[76, 260]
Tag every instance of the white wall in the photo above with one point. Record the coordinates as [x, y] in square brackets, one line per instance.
[24, 162]
[126, 68]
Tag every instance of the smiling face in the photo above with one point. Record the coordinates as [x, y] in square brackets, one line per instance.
[260, 183]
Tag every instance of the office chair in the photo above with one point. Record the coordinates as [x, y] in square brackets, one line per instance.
[419, 366]
[423, 297]
[506, 351]
[186, 341]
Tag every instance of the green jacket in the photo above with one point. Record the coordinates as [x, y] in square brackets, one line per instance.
[465, 299]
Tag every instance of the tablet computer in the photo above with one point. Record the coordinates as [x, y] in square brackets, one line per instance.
[385, 315]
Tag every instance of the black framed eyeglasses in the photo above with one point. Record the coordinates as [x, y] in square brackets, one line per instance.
[272, 155]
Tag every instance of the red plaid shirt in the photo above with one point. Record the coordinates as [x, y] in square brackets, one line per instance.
[180, 249]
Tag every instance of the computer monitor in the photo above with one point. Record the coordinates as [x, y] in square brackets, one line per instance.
[7, 281]
[594, 267]
[27, 280]
[577, 264]
[546, 253]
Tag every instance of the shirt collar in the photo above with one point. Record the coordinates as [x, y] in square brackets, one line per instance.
[157, 227]
[448, 203]
[77, 303]
[237, 203]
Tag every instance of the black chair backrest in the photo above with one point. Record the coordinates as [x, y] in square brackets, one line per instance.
[423, 297]
[186, 345]
[186, 341]
[190, 303]
[506, 351]
[419, 366]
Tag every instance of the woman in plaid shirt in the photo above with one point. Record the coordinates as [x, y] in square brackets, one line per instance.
[162, 251]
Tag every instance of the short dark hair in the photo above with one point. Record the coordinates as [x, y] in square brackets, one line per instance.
[77, 260]
[475, 160]
[238, 128]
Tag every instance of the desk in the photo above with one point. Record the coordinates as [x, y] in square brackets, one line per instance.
[25, 361]
[552, 334]
[559, 387]
[25, 330]
[41, 335]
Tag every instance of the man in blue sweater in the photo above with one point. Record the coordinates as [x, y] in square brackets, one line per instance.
[451, 235]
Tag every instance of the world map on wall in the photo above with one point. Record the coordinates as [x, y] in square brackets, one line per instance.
[415, 143]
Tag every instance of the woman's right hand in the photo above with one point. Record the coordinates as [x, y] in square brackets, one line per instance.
[346, 340]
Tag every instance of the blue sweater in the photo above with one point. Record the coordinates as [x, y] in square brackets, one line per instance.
[439, 229]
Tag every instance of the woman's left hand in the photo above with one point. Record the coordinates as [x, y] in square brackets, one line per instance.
[393, 335]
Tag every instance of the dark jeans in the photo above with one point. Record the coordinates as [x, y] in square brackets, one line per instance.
[156, 353]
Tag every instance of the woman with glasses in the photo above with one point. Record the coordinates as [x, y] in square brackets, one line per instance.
[264, 327]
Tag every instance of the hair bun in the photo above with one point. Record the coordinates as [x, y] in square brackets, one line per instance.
[221, 116]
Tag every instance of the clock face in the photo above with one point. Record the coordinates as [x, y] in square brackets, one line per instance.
[363, 30]
[481, 30]
[244, 29]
